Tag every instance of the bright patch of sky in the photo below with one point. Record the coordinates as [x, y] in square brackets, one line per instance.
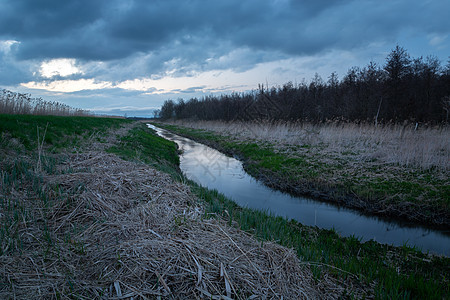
[68, 86]
[59, 67]
[438, 40]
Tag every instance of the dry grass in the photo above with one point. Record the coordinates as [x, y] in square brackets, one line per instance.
[17, 103]
[397, 144]
[112, 229]
[392, 170]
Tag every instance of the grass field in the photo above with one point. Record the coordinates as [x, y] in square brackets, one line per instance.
[87, 224]
[23, 132]
[390, 171]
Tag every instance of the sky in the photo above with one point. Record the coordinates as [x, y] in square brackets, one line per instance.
[126, 57]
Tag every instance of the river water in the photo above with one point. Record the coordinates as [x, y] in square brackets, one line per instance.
[214, 170]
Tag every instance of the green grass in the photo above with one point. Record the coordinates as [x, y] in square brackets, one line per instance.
[142, 143]
[386, 188]
[16, 212]
[395, 272]
[62, 132]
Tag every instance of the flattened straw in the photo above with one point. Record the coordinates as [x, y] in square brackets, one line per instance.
[117, 288]
[224, 275]
[251, 263]
[155, 233]
[163, 282]
[210, 296]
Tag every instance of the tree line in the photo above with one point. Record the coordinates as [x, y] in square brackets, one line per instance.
[403, 89]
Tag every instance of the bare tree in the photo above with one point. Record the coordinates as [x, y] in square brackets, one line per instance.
[446, 106]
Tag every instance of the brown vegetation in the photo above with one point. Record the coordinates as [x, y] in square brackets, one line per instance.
[109, 228]
[17, 103]
[403, 145]
[392, 171]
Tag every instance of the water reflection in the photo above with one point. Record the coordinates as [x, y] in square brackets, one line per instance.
[214, 170]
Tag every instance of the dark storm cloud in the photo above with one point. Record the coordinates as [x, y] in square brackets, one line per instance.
[43, 19]
[12, 71]
[141, 38]
[105, 30]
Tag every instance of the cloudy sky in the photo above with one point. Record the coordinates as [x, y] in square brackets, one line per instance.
[127, 57]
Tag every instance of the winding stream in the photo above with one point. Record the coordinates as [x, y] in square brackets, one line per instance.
[214, 170]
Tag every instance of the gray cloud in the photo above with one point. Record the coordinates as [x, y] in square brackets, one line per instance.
[116, 40]
[107, 30]
[11, 70]
[190, 90]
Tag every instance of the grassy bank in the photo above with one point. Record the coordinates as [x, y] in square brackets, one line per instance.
[85, 224]
[139, 145]
[23, 132]
[392, 172]
[40, 247]
[31, 148]
[90, 225]
[388, 272]
[382, 271]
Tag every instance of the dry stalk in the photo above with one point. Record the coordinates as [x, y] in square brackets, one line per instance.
[393, 144]
[40, 145]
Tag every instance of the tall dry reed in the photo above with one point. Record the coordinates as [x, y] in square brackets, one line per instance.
[24, 104]
[422, 147]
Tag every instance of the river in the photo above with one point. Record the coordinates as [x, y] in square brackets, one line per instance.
[214, 170]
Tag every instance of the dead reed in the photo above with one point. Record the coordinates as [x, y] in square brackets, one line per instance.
[420, 147]
[101, 227]
[17, 103]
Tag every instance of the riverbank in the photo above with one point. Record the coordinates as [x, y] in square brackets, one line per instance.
[77, 220]
[391, 172]
[365, 269]
[99, 209]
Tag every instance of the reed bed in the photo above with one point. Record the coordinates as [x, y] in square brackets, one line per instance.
[393, 171]
[97, 226]
[408, 145]
[24, 104]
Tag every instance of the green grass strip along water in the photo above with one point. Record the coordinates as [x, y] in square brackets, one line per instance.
[145, 146]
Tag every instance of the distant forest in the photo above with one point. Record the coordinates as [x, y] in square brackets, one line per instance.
[403, 89]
